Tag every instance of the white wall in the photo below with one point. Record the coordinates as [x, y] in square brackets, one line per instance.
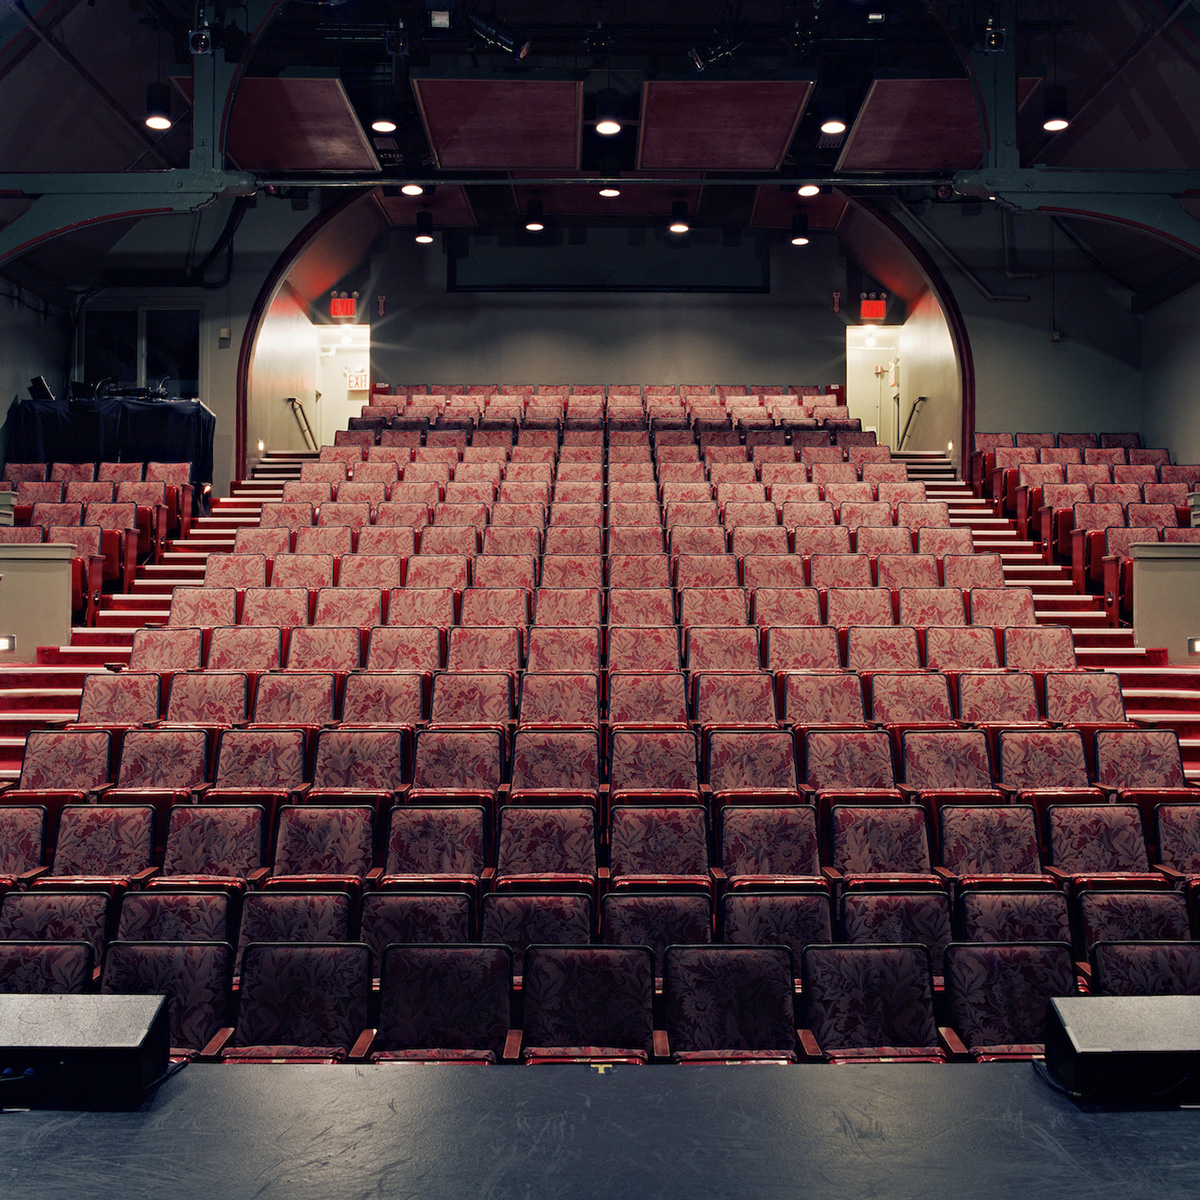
[928, 368]
[284, 364]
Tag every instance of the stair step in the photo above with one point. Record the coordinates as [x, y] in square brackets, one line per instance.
[138, 602]
[84, 657]
[105, 635]
[15, 700]
[1119, 659]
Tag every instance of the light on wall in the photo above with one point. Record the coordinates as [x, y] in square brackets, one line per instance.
[158, 106]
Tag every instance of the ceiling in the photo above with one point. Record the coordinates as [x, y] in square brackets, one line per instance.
[493, 130]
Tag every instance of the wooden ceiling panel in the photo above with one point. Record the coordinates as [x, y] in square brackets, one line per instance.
[501, 124]
[719, 125]
[449, 205]
[637, 199]
[774, 207]
[918, 125]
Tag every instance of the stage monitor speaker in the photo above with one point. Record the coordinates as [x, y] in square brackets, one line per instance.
[1126, 1048]
[89, 1052]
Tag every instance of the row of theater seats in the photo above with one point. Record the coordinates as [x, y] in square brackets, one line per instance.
[597, 1004]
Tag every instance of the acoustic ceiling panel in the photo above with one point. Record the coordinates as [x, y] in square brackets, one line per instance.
[719, 125]
[918, 125]
[501, 124]
[294, 124]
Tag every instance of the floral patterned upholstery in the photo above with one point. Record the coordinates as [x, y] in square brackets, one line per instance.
[328, 540]
[706, 570]
[822, 697]
[201, 607]
[560, 698]
[882, 648]
[663, 844]
[808, 515]
[480, 648]
[588, 996]
[916, 514]
[1007, 697]
[443, 840]
[733, 999]
[769, 844]
[960, 648]
[458, 760]
[555, 760]
[573, 540]
[50, 916]
[857, 513]
[404, 648]
[302, 571]
[1039, 648]
[634, 539]
[356, 760]
[638, 571]
[495, 606]
[220, 840]
[785, 606]
[315, 840]
[757, 542]
[942, 541]
[889, 917]
[653, 759]
[70, 759]
[742, 698]
[924, 606]
[722, 649]
[206, 698]
[1004, 916]
[282, 606]
[163, 758]
[1002, 607]
[285, 916]
[641, 606]
[421, 606]
[751, 918]
[874, 540]
[647, 698]
[170, 916]
[432, 917]
[751, 761]
[910, 699]
[1139, 759]
[122, 698]
[436, 1000]
[907, 570]
[887, 839]
[382, 698]
[22, 837]
[870, 998]
[313, 997]
[713, 606]
[300, 698]
[288, 514]
[1124, 916]
[1089, 838]
[643, 648]
[260, 758]
[518, 920]
[351, 513]
[387, 540]
[1035, 758]
[58, 967]
[987, 839]
[854, 759]
[244, 647]
[1085, 697]
[840, 571]
[547, 846]
[565, 649]
[324, 648]
[999, 994]
[1178, 827]
[1146, 968]
[657, 921]
[572, 570]
[103, 840]
[570, 606]
[865, 606]
[358, 607]
[472, 698]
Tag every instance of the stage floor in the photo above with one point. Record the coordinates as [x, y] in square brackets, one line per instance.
[412, 1132]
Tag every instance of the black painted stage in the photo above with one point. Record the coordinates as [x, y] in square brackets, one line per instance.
[414, 1132]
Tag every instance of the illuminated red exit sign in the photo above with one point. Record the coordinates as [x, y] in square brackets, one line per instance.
[343, 306]
[872, 310]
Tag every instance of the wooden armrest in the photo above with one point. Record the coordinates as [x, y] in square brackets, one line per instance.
[217, 1043]
[662, 1044]
[1176, 877]
[373, 876]
[832, 874]
[512, 1046]
[140, 877]
[362, 1045]
[1057, 874]
[809, 1046]
[951, 1043]
[25, 878]
[603, 874]
[258, 875]
[945, 875]
[718, 875]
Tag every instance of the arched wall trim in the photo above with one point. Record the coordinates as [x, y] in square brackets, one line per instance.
[950, 309]
[262, 302]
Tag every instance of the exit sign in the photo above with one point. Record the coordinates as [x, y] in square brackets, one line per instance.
[358, 381]
[873, 310]
[343, 306]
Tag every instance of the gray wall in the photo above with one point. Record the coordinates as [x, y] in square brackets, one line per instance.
[1171, 377]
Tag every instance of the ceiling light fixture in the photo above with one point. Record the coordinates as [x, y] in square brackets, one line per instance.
[808, 189]
[799, 229]
[608, 107]
[535, 220]
[412, 189]
[424, 232]
[1054, 109]
[498, 35]
[833, 124]
[158, 105]
[679, 217]
[609, 191]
